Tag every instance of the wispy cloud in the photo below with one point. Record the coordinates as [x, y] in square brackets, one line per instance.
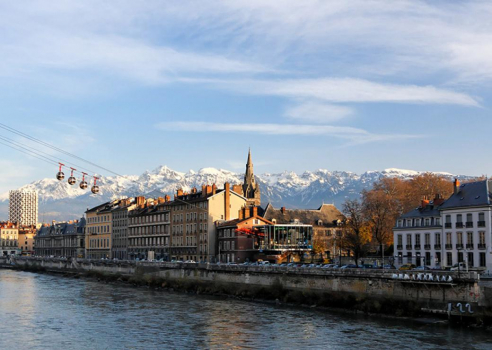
[348, 90]
[354, 135]
[316, 112]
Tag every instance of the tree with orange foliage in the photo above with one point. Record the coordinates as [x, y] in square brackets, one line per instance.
[357, 232]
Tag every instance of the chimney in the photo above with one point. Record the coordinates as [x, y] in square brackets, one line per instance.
[238, 189]
[140, 201]
[214, 189]
[438, 200]
[167, 198]
[204, 191]
[193, 190]
[160, 200]
[179, 192]
[424, 202]
[282, 210]
[241, 214]
[227, 201]
[456, 186]
[255, 211]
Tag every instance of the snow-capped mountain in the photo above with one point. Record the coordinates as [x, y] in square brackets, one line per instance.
[59, 201]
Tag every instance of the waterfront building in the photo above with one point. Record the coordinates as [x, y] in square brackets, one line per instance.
[193, 220]
[25, 239]
[442, 233]
[239, 240]
[149, 229]
[99, 230]
[418, 235]
[23, 207]
[61, 239]
[119, 247]
[9, 235]
[325, 222]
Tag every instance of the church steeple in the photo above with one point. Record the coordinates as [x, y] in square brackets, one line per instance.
[251, 190]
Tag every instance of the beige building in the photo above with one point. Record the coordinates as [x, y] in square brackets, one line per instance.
[26, 239]
[98, 235]
[9, 235]
[193, 221]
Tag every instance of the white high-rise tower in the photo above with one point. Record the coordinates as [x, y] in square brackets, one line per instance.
[23, 207]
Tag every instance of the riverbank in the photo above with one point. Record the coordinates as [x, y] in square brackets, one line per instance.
[370, 292]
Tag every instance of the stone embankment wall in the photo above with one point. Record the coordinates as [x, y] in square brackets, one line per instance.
[358, 289]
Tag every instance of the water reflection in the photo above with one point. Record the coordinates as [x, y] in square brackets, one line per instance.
[43, 311]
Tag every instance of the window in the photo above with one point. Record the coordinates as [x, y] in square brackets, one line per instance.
[417, 239]
[438, 238]
[427, 239]
[427, 222]
[481, 238]
[400, 240]
[483, 261]
[438, 221]
[459, 238]
[438, 257]
[469, 238]
[470, 259]
[409, 239]
[449, 259]
[459, 218]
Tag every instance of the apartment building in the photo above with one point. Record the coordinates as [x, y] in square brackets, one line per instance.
[193, 220]
[23, 207]
[98, 241]
[442, 233]
[149, 229]
[61, 239]
[119, 247]
[9, 235]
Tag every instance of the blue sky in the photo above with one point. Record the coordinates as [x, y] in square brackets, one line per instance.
[356, 86]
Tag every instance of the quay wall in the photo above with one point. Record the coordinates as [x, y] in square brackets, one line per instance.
[357, 289]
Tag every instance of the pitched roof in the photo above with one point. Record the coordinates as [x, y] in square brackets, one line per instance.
[327, 213]
[470, 194]
[429, 211]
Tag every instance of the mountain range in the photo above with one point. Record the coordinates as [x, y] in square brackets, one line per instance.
[60, 201]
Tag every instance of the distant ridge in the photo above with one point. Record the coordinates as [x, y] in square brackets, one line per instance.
[60, 201]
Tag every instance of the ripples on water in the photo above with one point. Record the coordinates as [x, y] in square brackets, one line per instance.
[51, 312]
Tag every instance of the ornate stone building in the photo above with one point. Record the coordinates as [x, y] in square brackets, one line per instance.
[251, 189]
[61, 239]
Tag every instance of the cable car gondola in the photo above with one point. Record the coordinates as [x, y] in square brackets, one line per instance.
[95, 188]
[72, 180]
[60, 175]
[83, 183]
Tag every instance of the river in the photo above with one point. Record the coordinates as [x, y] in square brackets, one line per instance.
[40, 311]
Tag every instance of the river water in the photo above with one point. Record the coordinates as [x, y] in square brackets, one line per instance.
[40, 311]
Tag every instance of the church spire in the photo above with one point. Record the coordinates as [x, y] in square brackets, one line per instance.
[251, 190]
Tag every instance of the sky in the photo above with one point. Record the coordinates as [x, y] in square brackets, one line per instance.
[338, 85]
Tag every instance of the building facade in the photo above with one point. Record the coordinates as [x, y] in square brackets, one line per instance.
[61, 239]
[119, 247]
[149, 229]
[26, 240]
[241, 239]
[458, 230]
[9, 235]
[23, 207]
[193, 221]
[98, 241]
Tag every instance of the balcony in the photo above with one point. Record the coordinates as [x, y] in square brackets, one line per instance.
[469, 246]
[437, 246]
[399, 247]
[469, 224]
[447, 225]
[449, 246]
[427, 247]
[459, 225]
[417, 247]
[482, 246]
[409, 247]
[459, 246]
[481, 224]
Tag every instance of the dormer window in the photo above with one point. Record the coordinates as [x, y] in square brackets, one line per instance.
[320, 222]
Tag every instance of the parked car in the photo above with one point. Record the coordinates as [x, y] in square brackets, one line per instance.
[458, 266]
[349, 266]
[422, 268]
[405, 267]
[367, 266]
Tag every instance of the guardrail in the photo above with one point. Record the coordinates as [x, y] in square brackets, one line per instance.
[389, 274]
